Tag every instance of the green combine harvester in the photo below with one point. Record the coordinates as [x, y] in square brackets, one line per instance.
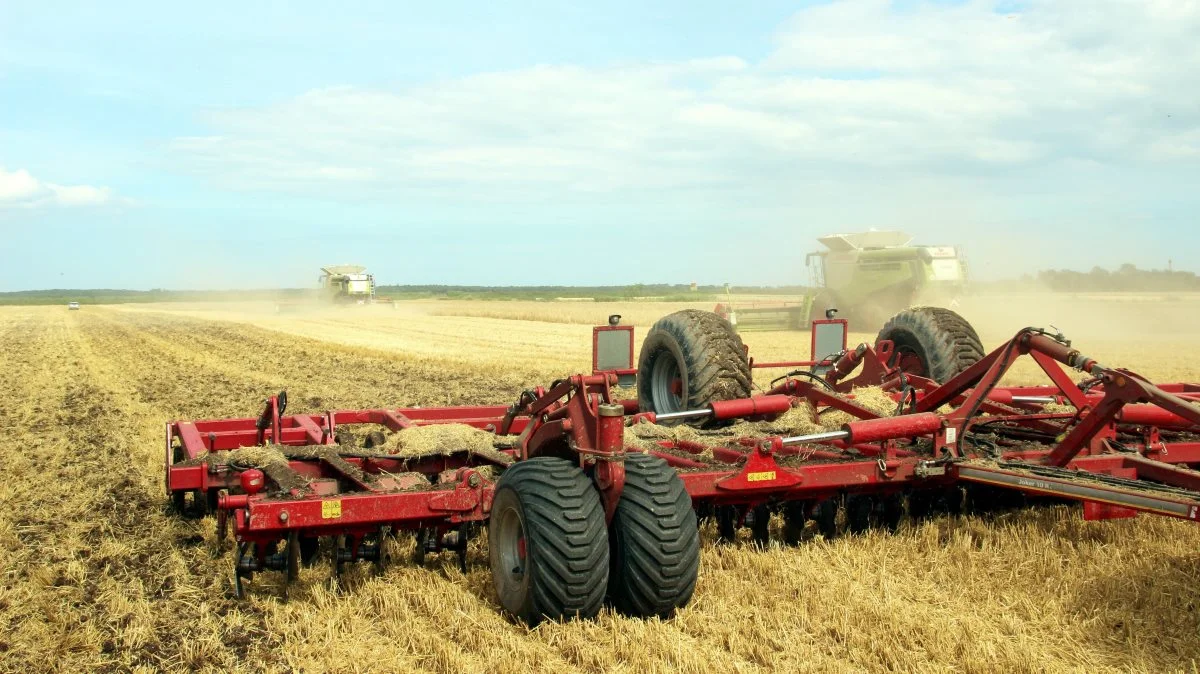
[866, 277]
[347, 284]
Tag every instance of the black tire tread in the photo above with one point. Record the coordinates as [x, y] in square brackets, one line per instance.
[950, 344]
[656, 544]
[715, 358]
[565, 531]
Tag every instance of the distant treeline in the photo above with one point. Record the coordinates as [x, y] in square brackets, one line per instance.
[116, 296]
[667, 291]
[671, 292]
[1126, 278]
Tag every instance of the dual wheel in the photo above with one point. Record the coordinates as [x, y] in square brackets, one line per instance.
[553, 557]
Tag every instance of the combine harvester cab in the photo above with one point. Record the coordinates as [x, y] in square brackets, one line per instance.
[591, 499]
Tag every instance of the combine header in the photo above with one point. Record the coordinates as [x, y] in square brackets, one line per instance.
[582, 509]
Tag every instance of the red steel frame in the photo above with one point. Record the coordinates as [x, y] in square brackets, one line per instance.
[1127, 446]
[812, 350]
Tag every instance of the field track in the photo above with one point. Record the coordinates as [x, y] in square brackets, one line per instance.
[94, 573]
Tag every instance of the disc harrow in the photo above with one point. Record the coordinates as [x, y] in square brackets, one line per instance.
[578, 514]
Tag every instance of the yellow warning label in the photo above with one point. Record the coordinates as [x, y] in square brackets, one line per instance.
[331, 510]
[760, 477]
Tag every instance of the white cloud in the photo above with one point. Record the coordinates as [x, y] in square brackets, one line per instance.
[19, 189]
[849, 87]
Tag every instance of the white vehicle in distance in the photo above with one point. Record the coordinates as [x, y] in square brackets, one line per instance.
[73, 306]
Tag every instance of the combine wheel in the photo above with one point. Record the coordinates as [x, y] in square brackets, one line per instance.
[794, 515]
[690, 359]
[548, 542]
[932, 342]
[655, 546]
[825, 515]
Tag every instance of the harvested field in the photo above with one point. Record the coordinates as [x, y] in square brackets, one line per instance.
[96, 575]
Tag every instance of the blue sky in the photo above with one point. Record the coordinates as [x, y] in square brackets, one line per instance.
[158, 145]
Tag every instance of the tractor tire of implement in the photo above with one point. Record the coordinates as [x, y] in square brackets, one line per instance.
[655, 543]
[690, 359]
[932, 342]
[548, 542]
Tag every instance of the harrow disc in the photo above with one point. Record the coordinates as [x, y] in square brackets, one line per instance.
[794, 516]
[293, 557]
[891, 512]
[341, 554]
[859, 511]
[382, 556]
[421, 537]
[920, 504]
[245, 553]
[825, 515]
[760, 526]
[309, 547]
[727, 523]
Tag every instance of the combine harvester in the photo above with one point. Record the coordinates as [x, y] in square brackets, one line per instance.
[872, 274]
[578, 514]
[348, 284]
[340, 285]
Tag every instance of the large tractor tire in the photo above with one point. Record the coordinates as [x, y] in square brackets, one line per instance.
[932, 342]
[548, 542]
[690, 359]
[655, 545]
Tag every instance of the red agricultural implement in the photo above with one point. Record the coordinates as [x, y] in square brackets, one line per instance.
[579, 515]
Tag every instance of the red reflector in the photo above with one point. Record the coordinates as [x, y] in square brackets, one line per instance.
[1105, 511]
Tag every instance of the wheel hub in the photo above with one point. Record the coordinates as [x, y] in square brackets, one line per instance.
[511, 545]
[666, 384]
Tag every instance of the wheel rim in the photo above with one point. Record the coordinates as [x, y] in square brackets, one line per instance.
[512, 547]
[666, 383]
